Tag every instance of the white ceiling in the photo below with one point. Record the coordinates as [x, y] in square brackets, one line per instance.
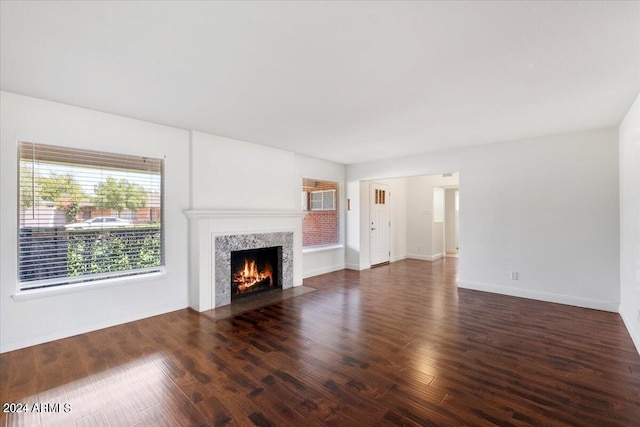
[344, 81]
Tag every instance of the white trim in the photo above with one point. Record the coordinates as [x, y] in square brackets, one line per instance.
[86, 278]
[323, 270]
[316, 249]
[245, 232]
[397, 258]
[31, 294]
[419, 256]
[541, 296]
[191, 175]
[356, 267]
[87, 327]
[215, 213]
[632, 326]
[434, 257]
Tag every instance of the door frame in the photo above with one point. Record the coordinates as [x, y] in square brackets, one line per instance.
[379, 224]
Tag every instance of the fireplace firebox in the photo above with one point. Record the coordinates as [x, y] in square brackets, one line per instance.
[255, 270]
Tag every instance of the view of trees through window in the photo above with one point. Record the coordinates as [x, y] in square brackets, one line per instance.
[86, 215]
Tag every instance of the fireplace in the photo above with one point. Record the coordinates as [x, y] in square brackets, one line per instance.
[255, 270]
[225, 245]
[214, 234]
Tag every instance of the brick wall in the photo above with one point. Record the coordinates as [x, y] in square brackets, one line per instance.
[320, 228]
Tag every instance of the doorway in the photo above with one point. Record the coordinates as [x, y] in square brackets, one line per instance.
[409, 229]
[451, 211]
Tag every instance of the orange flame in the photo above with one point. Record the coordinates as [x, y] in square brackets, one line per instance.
[250, 275]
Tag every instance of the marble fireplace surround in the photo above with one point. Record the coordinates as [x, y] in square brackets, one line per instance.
[214, 233]
[224, 245]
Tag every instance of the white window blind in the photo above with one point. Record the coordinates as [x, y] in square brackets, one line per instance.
[87, 215]
[324, 200]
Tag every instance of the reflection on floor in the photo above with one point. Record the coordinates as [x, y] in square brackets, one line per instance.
[255, 301]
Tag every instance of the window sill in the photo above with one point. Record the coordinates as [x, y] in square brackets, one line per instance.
[315, 249]
[50, 291]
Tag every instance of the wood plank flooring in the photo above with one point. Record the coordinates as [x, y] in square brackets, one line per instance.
[396, 345]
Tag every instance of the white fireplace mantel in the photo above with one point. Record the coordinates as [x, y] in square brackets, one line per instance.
[217, 213]
[206, 224]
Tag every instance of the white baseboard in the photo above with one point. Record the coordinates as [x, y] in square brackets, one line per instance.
[356, 267]
[437, 256]
[323, 270]
[632, 324]
[69, 332]
[541, 296]
[433, 257]
[397, 258]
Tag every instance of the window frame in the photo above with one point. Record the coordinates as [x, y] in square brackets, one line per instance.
[333, 206]
[317, 234]
[27, 289]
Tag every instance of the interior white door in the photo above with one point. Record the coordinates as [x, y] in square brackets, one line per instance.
[379, 225]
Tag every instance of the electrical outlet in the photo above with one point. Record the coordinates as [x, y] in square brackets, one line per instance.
[514, 275]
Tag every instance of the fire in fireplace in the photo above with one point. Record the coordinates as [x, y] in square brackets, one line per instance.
[255, 270]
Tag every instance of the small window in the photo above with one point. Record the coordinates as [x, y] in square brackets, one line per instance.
[321, 225]
[324, 200]
[87, 215]
[381, 197]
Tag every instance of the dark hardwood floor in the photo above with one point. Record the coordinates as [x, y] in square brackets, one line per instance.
[395, 345]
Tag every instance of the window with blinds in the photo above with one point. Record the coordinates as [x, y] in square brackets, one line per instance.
[87, 215]
[323, 200]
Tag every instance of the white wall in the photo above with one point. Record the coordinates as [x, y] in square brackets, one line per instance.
[545, 207]
[630, 221]
[53, 316]
[437, 239]
[322, 260]
[358, 250]
[419, 217]
[231, 174]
